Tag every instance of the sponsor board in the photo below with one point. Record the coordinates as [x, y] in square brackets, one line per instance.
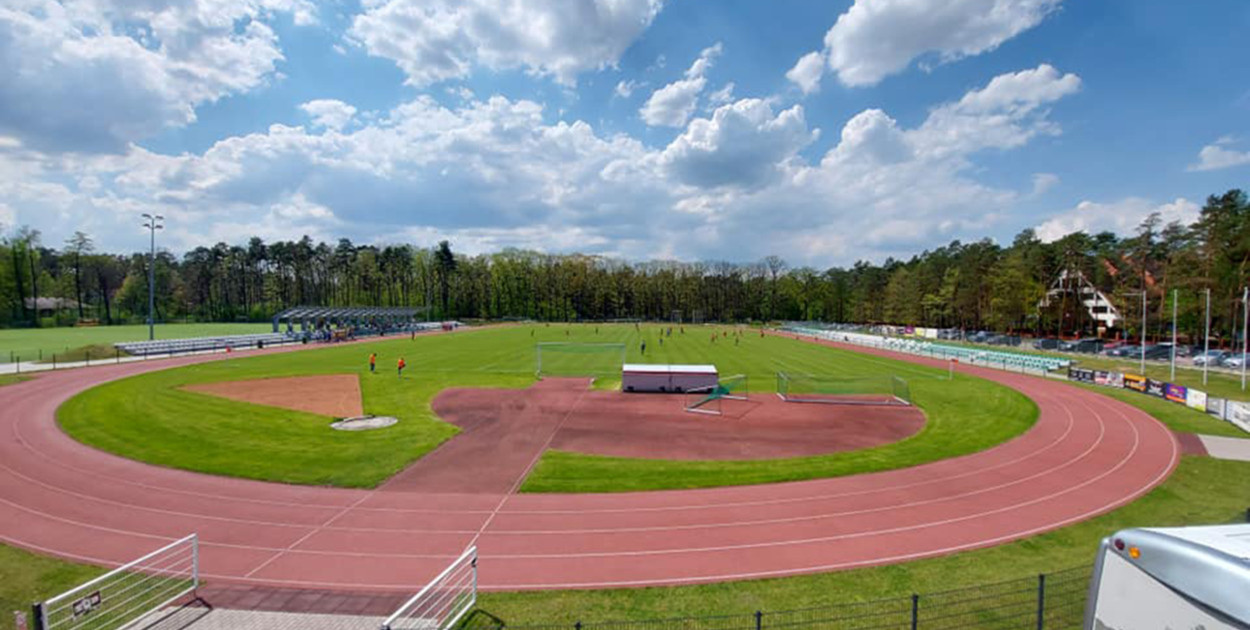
[1081, 374]
[1102, 377]
[1238, 413]
[1215, 407]
[1196, 399]
[1156, 388]
[1176, 393]
[1135, 383]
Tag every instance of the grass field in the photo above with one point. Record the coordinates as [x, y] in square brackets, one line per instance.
[34, 344]
[26, 577]
[9, 379]
[148, 418]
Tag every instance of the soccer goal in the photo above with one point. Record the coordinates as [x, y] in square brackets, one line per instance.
[707, 400]
[864, 390]
[558, 358]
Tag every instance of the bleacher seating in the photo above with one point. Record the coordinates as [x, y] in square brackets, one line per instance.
[203, 344]
[1011, 361]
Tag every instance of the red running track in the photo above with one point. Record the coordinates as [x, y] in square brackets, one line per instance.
[1086, 455]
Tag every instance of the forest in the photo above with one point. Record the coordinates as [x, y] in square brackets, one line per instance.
[969, 285]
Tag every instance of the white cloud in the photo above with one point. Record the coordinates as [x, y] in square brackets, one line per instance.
[722, 96]
[807, 71]
[733, 184]
[876, 38]
[329, 113]
[436, 40]
[1005, 114]
[625, 89]
[741, 145]
[1121, 217]
[1043, 182]
[674, 104]
[93, 76]
[1216, 156]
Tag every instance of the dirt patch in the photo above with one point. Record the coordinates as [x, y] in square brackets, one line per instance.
[334, 395]
[656, 426]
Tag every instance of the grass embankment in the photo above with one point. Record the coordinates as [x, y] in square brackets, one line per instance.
[149, 418]
[9, 379]
[26, 578]
[28, 343]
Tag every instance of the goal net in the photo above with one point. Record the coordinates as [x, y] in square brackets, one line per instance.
[863, 390]
[708, 399]
[579, 359]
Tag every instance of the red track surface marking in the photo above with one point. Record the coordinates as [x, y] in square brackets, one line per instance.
[1086, 455]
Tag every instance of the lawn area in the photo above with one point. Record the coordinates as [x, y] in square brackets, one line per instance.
[34, 344]
[149, 418]
[26, 577]
[1202, 491]
[9, 379]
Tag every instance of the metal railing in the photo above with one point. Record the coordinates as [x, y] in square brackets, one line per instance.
[128, 593]
[443, 602]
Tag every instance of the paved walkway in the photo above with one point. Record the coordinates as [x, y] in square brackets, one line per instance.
[1227, 447]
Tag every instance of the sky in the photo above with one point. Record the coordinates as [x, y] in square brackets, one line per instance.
[822, 131]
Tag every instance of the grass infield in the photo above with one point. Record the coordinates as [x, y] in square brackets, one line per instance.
[148, 418]
[28, 343]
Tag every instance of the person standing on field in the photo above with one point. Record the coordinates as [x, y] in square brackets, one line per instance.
[373, 362]
[401, 365]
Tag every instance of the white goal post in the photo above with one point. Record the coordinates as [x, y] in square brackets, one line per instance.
[570, 358]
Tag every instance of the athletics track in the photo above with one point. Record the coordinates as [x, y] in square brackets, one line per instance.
[1086, 455]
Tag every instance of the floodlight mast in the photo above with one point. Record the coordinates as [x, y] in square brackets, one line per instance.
[152, 223]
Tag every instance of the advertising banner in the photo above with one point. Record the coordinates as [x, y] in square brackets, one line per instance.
[931, 333]
[1102, 377]
[1215, 407]
[1080, 374]
[1238, 413]
[1156, 388]
[1196, 399]
[1115, 380]
[1175, 393]
[1135, 383]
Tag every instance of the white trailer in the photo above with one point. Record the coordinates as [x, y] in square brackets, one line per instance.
[1178, 578]
[640, 377]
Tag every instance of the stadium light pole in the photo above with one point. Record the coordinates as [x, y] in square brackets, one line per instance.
[152, 223]
[1173, 375]
[1206, 344]
[1245, 327]
[1143, 330]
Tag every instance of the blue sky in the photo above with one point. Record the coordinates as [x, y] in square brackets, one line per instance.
[824, 132]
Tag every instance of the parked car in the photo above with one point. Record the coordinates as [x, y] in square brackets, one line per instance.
[1212, 357]
[1235, 360]
[1124, 350]
[1159, 351]
[1089, 345]
[1046, 343]
[1112, 345]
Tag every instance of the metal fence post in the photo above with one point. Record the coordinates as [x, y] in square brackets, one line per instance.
[36, 616]
[915, 611]
[759, 619]
[577, 626]
[88, 358]
[1041, 601]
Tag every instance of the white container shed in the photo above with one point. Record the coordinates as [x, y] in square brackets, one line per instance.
[641, 377]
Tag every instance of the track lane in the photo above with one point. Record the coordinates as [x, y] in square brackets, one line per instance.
[1086, 455]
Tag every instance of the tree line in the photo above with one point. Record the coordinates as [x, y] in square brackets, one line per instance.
[976, 285]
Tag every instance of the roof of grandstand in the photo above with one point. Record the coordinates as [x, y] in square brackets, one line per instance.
[314, 312]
